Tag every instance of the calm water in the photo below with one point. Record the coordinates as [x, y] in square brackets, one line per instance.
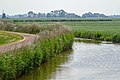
[87, 61]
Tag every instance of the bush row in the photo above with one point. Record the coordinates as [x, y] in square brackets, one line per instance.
[104, 36]
[31, 28]
[60, 20]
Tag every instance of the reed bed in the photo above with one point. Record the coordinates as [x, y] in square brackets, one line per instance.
[98, 30]
[53, 39]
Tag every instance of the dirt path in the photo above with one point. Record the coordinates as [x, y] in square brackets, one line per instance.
[28, 40]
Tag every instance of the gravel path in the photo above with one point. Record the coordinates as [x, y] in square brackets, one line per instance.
[28, 40]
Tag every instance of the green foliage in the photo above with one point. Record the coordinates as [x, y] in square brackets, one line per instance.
[116, 38]
[15, 63]
[59, 19]
[99, 30]
[52, 40]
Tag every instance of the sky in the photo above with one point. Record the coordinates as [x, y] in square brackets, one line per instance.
[12, 7]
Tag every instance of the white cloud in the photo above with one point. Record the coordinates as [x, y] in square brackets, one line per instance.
[77, 6]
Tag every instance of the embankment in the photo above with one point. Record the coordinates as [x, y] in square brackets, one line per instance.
[97, 35]
[52, 40]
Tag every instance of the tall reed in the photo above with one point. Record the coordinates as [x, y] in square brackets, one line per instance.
[53, 39]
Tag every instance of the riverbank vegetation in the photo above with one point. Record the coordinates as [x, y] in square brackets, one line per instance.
[53, 39]
[105, 31]
[6, 38]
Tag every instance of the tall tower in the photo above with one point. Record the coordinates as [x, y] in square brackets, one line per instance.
[3, 14]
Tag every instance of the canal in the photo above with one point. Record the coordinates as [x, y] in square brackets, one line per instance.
[87, 61]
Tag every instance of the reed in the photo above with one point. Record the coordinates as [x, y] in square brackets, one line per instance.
[52, 40]
[98, 30]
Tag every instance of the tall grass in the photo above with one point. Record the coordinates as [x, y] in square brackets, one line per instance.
[99, 35]
[107, 31]
[53, 39]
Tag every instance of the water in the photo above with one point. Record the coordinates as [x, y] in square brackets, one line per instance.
[87, 61]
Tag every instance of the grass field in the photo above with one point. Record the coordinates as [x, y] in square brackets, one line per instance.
[6, 38]
[98, 29]
[106, 29]
[101, 30]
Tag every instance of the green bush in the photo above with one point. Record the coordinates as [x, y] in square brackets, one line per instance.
[98, 36]
[116, 38]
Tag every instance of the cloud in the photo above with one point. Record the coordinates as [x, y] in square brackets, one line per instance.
[77, 6]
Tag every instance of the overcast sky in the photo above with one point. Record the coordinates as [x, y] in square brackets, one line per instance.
[76, 6]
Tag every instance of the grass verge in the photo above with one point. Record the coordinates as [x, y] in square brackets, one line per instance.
[6, 38]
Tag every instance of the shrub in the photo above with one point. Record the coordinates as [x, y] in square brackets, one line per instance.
[116, 38]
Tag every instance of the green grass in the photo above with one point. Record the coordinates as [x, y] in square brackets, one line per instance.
[6, 38]
[89, 28]
[100, 30]
[105, 29]
[52, 40]
[94, 26]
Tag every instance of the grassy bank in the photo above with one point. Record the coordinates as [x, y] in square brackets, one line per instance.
[105, 31]
[52, 40]
[6, 38]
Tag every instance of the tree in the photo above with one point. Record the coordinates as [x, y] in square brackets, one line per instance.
[48, 15]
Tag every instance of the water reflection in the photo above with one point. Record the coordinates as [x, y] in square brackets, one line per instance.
[86, 62]
[46, 70]
[92, 62]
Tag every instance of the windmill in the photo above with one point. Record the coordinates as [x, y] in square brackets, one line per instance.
[3, 14]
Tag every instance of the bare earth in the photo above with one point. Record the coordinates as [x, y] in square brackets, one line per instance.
[28, 40]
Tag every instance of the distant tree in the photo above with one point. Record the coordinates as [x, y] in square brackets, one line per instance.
[35, 15]
[20, 16]
[30, 14]
[93, 15]
[48, 15]
[39, 15]
[62, 13]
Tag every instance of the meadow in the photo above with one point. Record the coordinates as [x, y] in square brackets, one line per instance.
[98, 30]
[104, 29]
